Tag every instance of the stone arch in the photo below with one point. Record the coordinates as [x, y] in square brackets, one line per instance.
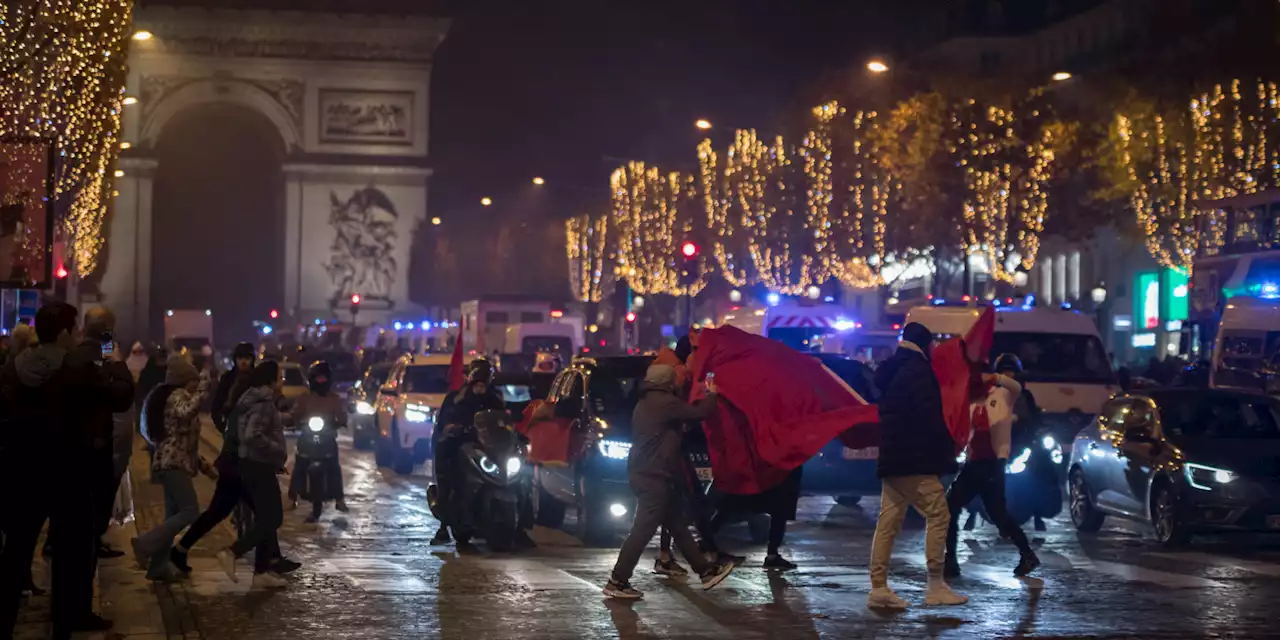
[205, 91]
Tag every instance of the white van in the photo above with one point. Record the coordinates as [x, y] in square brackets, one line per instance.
[1246, 347]
[1064, 363]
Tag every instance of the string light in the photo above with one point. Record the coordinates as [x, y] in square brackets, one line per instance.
[64, 63]
[587, 239]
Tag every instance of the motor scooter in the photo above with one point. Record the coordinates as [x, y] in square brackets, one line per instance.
[317, 456]
[486, 473]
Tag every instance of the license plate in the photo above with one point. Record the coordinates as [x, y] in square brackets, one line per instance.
[870, 453]
[704, 474]
[1273, 522]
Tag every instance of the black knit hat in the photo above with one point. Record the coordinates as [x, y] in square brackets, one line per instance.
[918, 335]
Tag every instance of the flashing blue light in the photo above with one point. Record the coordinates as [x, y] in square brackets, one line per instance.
[829, 299]
[1066, 306]
[937, 302]
[409, 326]
[318, 322]
[842, 324]
[398, 326]
[1029, 301]
[426, 324]
[773, 299]
[995, 303]
[1269, 291]
[266, 329]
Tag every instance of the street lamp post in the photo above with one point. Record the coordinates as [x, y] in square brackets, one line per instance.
[1099, 297]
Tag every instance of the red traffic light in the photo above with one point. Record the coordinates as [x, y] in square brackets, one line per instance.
[689, 249]
[631, 316]
[274, 314]
[355, 298]
[61, 272]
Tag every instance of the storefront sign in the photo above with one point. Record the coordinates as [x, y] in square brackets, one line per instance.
[1147, 307]
[1144, 340]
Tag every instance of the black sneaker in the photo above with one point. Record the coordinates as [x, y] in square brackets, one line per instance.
[716, 574]
[776, 562]
[285, 565]
[1039, 524]
[951, 569]
[92, 622]
[622, 591]
[1026, 564]
[670, 568]
[179, 560]
[107, 553]
[523, 541]
[441, 537]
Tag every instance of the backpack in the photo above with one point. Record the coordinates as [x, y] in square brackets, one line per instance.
[152, 422]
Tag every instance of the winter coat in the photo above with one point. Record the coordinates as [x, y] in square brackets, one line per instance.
[460, 407]
[36, 385]
[914, 439]
[179, 449]
[107, 389]
[221, 404]
[993, 421]
[261, 428]
[657, 431]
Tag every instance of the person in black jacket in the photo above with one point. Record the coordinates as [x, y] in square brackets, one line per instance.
[54, 397]
[243, 357]
[459, 409]
[916, 448]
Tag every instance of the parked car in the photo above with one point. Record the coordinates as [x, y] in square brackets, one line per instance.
[406, 410]
[837, 471]
[1185, 461]
[361, 401]
[596, 396]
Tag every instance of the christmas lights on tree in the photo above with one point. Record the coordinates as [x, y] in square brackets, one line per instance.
[63, 66]
[650, 220]
[587, 241]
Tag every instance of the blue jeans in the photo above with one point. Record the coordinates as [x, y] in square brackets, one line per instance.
[181, 508]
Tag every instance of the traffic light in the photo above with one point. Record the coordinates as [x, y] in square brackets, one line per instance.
[61, 273]
[631, 316]
[689, 271]
[355, 306]
[274, 314]
[355, 299]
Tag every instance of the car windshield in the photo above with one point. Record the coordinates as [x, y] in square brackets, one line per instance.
[547, 344]
[1218, 415]
[1056, 357]
[293, 377]
[615, 385]
[427, 378]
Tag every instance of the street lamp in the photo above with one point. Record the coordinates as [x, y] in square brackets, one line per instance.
[638, 302]
[126, 145]
[1061, 76]
[1099, 293]
[814, 292]
[703, 124]
[486, 201]
[436, 221]
[877, 66]
[539, 181]
[130, 101]
[142, 34]
[735, 296]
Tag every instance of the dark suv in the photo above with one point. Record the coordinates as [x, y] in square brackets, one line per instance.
[1184, 460]
[595, 397]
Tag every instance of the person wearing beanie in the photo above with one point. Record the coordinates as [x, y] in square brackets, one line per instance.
[172, 424]
[655, 471]
[916, 449]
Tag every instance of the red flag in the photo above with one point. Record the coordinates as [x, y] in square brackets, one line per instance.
[779, 408]
[456, 378]
[952, 366]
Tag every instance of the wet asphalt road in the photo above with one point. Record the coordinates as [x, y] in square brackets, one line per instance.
[372, 574]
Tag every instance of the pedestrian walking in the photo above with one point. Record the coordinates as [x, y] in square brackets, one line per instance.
[172, 426]
[49, 395]
[983, 473]
[916, 449]
[655, 472]
[779, 502]
[152, 375]
[262, 455]
[137, 360]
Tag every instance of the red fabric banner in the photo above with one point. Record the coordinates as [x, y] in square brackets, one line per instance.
[951, 365]
[456, 377]
[778, 408]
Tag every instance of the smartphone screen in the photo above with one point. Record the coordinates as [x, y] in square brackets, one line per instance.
[108, 348]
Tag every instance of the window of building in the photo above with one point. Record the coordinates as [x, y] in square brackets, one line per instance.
[531, 317]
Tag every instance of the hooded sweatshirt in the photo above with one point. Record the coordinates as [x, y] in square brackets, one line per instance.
[33, 385]
[657, 427]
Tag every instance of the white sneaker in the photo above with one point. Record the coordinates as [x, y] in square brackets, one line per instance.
[940, 594]
[227, 561]
[269, 580]
[885, 598]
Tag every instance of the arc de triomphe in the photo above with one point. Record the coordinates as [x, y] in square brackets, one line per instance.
[349, 98]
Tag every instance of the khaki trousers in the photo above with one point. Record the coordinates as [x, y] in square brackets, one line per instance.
[925, 493]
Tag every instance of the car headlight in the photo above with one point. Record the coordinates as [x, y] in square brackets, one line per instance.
[316, 424]
[487, 465]
[614, 449]
[1019, 464]
[513, 466]
[1205, 478]
[1048, 443]
[364, 408]
[418, 412]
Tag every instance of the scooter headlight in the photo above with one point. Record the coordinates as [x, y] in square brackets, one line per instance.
[316, 424]
[364, 408]
[513, 466]
[1019, 464]
[486, 465]
[1048, 443]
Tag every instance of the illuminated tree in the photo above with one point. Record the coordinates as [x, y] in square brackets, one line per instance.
[649, 221]
[587, 241]
[62, 74]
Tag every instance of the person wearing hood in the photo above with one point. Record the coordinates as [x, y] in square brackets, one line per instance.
[263, 454]
[172, 427]
[137, 360]
[916, 449]
[655, 471]
[152, 375]
[44, 390]
[242, 357]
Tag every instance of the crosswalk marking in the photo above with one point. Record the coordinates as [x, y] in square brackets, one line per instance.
[1223, 562]
[1132, 573]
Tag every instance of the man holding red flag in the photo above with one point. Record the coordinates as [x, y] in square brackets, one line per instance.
[916, 448]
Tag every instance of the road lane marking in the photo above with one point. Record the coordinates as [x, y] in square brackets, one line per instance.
[1131, 573]
[1223, 562]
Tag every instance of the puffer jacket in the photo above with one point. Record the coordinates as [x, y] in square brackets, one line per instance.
[261, 428]
[180, 448]
[914, 438]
